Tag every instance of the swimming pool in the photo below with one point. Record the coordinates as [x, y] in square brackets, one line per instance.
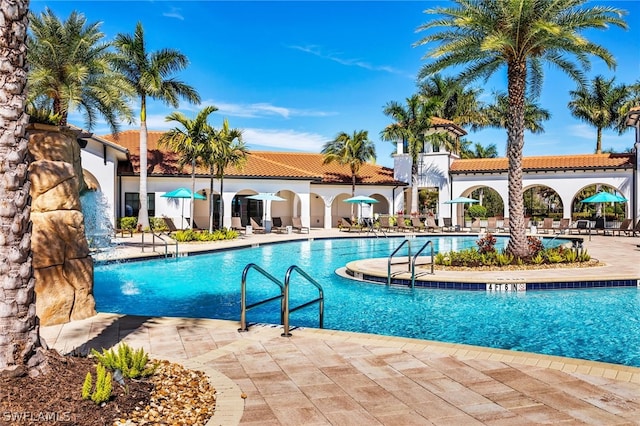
[600, 324]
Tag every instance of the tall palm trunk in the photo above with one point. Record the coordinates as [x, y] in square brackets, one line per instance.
[517, 76]
[193, 190]
[143, 213]
[353, 191]
[414, 186]
[19, 340]
[221, 174]
[211, 203]
[599, 140]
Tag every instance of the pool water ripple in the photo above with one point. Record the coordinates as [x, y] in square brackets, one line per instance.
[596, 324]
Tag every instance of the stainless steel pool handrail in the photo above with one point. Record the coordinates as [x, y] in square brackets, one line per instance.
[393, 254]
[319, 300]
[243, 295]
[153, 244]
[415, 257]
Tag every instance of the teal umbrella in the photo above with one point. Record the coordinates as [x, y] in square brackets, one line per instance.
[183, 193]
[461, 200]
[605, 197]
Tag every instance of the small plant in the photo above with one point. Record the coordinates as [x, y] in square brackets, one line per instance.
[535, 245]
[583, 256]
[131, 363]
[570, 256]
[102, 391]
[538, 259]
[158, 224]
[487, 244]
[504, 259]
[477, 210]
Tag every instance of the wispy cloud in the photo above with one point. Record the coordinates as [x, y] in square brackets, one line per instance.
[582, 131]
[259, 110]
[283, 139]
[335, 57]
[174, 13]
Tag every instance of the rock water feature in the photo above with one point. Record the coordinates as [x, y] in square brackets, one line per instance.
[97, 225]
[63, 267]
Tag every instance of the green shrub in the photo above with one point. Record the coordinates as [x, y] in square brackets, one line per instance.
[583, 256]
[102, 391]
[476, 210]
[43, 115]
[128, 222]
[570, 256]
[158, 224]
[131, 363]
[538, 259]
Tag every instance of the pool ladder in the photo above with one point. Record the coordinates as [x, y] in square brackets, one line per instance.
[164, 242]
[411, 261]
[285, 310]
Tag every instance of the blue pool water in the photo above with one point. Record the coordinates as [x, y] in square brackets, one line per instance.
[599, 324]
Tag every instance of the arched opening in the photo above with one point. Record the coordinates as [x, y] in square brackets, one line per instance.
[598, 212]
[541, 202]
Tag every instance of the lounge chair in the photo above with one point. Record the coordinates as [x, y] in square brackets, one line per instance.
[624, 227]
[581, 225]
[547, 225]
[492, 225]
[169, 225]
[297, 225]
[475, 225]
[402, 225]
[256, 227]
[565, 224]
[417, 224]
[276, 225]
[236, 224]
[505, 226]
[447, 225]
[431, 225]
[385, 224]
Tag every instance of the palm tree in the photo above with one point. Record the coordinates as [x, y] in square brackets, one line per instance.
[224, 148]
[411, 126]
[497, 115]
[481, 151]
[599, 104]
[188, 141]
[69, 70]
[483, 37]
[150, 73]
[350, 150]
[455, 101]
[20, 346]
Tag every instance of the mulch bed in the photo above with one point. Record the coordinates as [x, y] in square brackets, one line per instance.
[55, 397]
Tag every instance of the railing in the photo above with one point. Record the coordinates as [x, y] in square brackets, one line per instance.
[393, 254]
[153, 243]
[415, 257]
[319, 300]
[243, 295]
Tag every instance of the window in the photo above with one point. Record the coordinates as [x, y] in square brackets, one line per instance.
[132, 204]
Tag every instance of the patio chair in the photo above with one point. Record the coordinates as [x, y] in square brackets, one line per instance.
[447, 225]
[505, 226]
[236, 224]
[417, 224]
[582, 225]
[256, 227]
[402, 225]
[547, 225]
[276, 225]
[431, 225]
[565, 224]
[475, 225]
[385, 224]
[492, 225]
[297, 225]
[624, 227]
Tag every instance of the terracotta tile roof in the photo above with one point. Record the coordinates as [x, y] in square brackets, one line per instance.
[633, 116]
[545, 163]
[260, 164]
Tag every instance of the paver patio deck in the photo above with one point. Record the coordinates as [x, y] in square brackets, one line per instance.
[341, 378]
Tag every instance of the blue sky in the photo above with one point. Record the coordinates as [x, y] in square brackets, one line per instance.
[293, 74]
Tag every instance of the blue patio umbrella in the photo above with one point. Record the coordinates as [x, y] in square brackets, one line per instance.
[183, 193]
[461, 200]
[605, 197]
